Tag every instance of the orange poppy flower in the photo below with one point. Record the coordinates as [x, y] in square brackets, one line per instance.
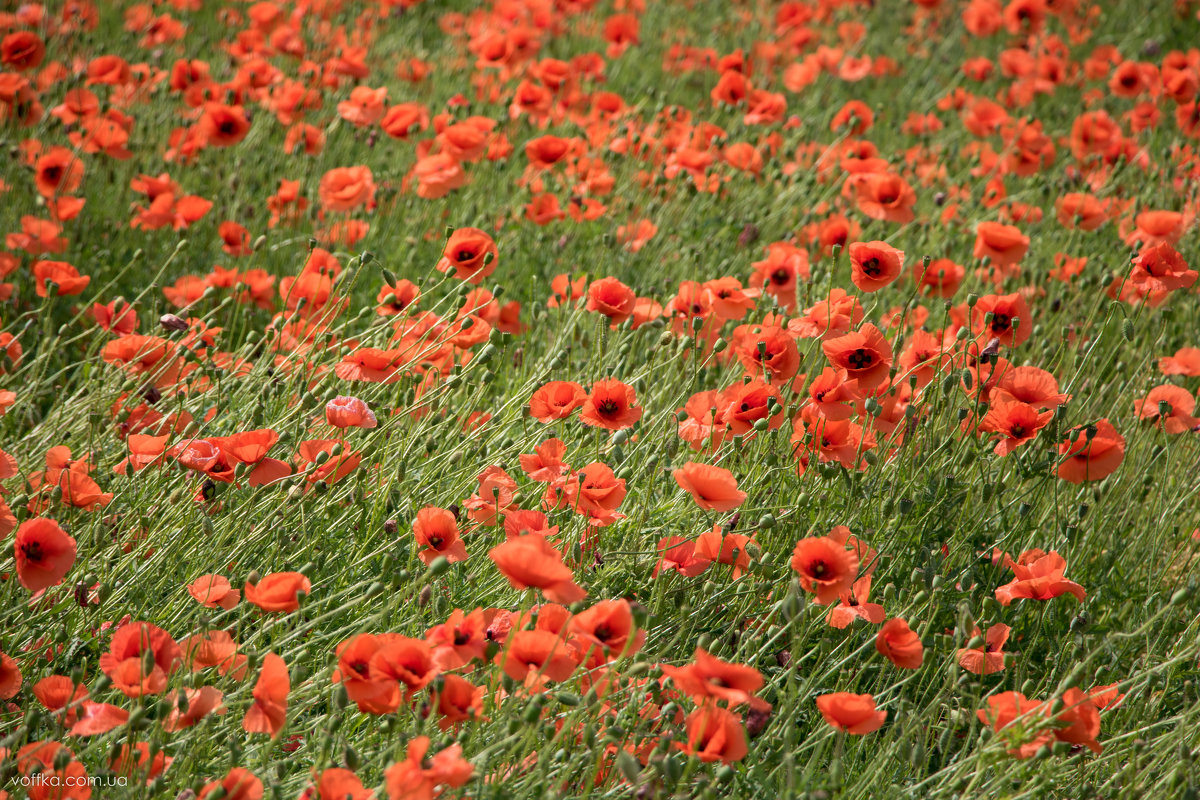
[595, 492]
[1038, 576]
[1083, 211]
[609, 627]
[530, 561]
[459, 640]
[611, 298]
[612, 405]
[61, 695]
[349, 412]
[1186, 361]
[855, 605]
[10, 677]
[437, 175]
[44, 554]
[365, 106]
[988, 658]
[883, 196]
[679, 554]
[1170, 407]
[214, 591]
[546, 463]
[1014, 423]
[713, 488]
[900, 644]
[136, 758]
[865, 355]
[371, 365]
[196, 704]
[715, 734]
[126, 661]
[22, 51]
[1093, 454]
[533, 657]
[336, 783]
[268, 713]
[874, 265]
[708, 677]
[779, 273]
[420, 775]
[852, 713]
[371, 692]
[457, 700]
[1009, 708]
[1079, 720]
[826, 568]
[62, 275]
[97, 718]
[941, 278]
[278, 591]
[1004, 245]
[223, 125]
[347, 188]
[57, 171]
[471, 253]
[1159, 268]
[238, 784]
[994, 315]
[436, 530]
[766, 351]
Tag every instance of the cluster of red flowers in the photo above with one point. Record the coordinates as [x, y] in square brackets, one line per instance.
[831, 348]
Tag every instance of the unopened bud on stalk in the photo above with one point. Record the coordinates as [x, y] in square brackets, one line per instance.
[172, 322]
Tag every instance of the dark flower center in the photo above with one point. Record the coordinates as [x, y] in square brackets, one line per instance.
[860, 359]
[32, 551]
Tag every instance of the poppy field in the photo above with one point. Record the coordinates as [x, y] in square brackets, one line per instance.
[599, 398]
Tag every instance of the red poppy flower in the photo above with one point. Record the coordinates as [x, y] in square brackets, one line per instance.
[826, 568]
[531, 561]
[874, 265]
[708, 677]
[268, 713]
[1014, 423]
[127, 664]
[471, 253]
[900, 644]
[865, 354]
[347, 188]
[436, 531]
[989, 656]
[349, 412]
[44, 554]
[1079, 720]
[238, 784]
[1004, 245]
[1038, 576]
[1094, 454]
[10, 677]
[278, 591]
[223, 125]
[611, 405]
[715, 734]
[556, 400]
[853, 713]
[993, 318]
[713, 488]
[611, 298]
[1009, 709]
[214, 591]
